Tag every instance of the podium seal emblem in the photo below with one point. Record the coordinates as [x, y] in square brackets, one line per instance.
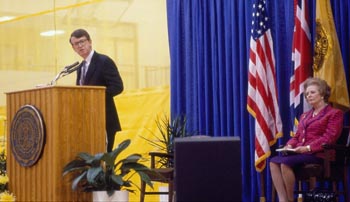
[27, 135]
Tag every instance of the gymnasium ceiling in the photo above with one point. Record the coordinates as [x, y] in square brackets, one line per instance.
[111, 11]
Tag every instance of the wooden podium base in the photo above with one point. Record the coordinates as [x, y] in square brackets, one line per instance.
[74, 121]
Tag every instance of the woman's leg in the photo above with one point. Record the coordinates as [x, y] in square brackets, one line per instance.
[278, 182]
[289, 180]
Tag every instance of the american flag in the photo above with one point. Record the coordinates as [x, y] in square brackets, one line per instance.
[302, 59]
[262, 93]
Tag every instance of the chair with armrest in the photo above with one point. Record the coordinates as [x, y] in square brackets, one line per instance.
[161, 170]
[338, 170]
[308, 173]
[332, 170]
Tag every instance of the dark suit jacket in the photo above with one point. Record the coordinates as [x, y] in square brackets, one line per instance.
[103, 71]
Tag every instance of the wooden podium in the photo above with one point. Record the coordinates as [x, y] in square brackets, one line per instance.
[74, 121]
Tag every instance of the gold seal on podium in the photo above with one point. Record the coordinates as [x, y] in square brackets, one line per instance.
[27, 135]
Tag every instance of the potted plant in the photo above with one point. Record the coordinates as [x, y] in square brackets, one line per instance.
[105, 172]
[167, 131]
[162, 160]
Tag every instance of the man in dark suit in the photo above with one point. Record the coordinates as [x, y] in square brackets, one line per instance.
[99, 70]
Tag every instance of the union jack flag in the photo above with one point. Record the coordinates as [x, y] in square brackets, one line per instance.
[302, 59]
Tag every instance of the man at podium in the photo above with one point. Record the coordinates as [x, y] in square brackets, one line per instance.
[99, 70]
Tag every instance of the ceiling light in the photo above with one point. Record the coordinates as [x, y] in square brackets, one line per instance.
[52, 33]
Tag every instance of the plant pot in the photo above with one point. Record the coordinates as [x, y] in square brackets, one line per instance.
[118, 196]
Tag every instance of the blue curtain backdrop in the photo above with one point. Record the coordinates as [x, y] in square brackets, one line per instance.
[209, 50]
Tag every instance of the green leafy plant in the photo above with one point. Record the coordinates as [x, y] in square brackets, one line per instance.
[105, 172]
[167, 130]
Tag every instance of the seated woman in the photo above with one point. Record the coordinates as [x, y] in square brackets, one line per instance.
[322, 124]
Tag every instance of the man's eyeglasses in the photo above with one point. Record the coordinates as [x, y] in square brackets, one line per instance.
[79, 43]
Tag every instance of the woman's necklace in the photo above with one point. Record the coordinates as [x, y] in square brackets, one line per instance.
[315, 112]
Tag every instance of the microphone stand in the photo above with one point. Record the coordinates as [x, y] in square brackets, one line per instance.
[67, 70]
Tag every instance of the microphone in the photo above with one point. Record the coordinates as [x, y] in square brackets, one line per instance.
[67, 68]
[73, 69]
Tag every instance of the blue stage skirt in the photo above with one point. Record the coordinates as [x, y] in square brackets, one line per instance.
[293, 160]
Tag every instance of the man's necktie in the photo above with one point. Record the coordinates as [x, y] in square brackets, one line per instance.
[83, 72]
